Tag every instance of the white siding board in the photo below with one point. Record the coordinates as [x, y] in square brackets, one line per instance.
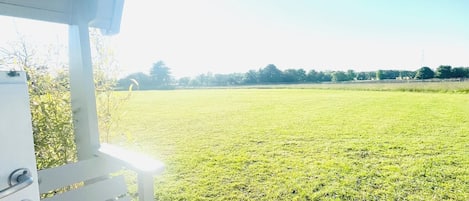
[99, 191]
[54, 178]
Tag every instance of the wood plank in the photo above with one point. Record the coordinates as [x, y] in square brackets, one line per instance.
[135, 161]
[99, 191]
[54, 178]
[53, 5]
[58, 11]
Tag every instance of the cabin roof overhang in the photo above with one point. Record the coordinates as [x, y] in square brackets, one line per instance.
[103, 14]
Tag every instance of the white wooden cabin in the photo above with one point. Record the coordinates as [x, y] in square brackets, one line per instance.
[19, 178]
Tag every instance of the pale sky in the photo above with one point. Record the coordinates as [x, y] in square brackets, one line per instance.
[224, 36]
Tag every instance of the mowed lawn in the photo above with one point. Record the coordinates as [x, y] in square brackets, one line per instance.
[303, 144]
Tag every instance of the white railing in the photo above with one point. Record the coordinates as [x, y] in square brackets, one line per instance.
[93, 179]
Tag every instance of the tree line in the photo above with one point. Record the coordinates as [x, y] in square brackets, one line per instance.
[160, 76]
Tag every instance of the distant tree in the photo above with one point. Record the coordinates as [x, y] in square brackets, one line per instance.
[459, 72]
[203, 79]
[325, 76]
[379, 74]
[406, 74]
[294, 75]
[351, 75]
[210, 79]
[160, 74]
[466, 72]
[313, 76]
[270, 74]
[301, 75]
[424, 73]
[371, 75]
[289, 75]
[387, 74]
[184, 81]
[339, 76]
[236, 78]
[391, 74]
[143, 80]
[195, 83]
[366, 75]
[221, 80]
[251, 77]
[443, 72]
[362, 76]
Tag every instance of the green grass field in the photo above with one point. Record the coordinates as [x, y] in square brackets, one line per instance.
[303, 144]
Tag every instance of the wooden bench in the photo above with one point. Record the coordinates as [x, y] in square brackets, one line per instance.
[96, 179]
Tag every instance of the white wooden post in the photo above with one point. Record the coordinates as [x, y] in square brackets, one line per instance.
[145, 186]
[82, 91]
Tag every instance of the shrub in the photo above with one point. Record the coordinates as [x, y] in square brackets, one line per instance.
[51, 119]
[50, 101]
